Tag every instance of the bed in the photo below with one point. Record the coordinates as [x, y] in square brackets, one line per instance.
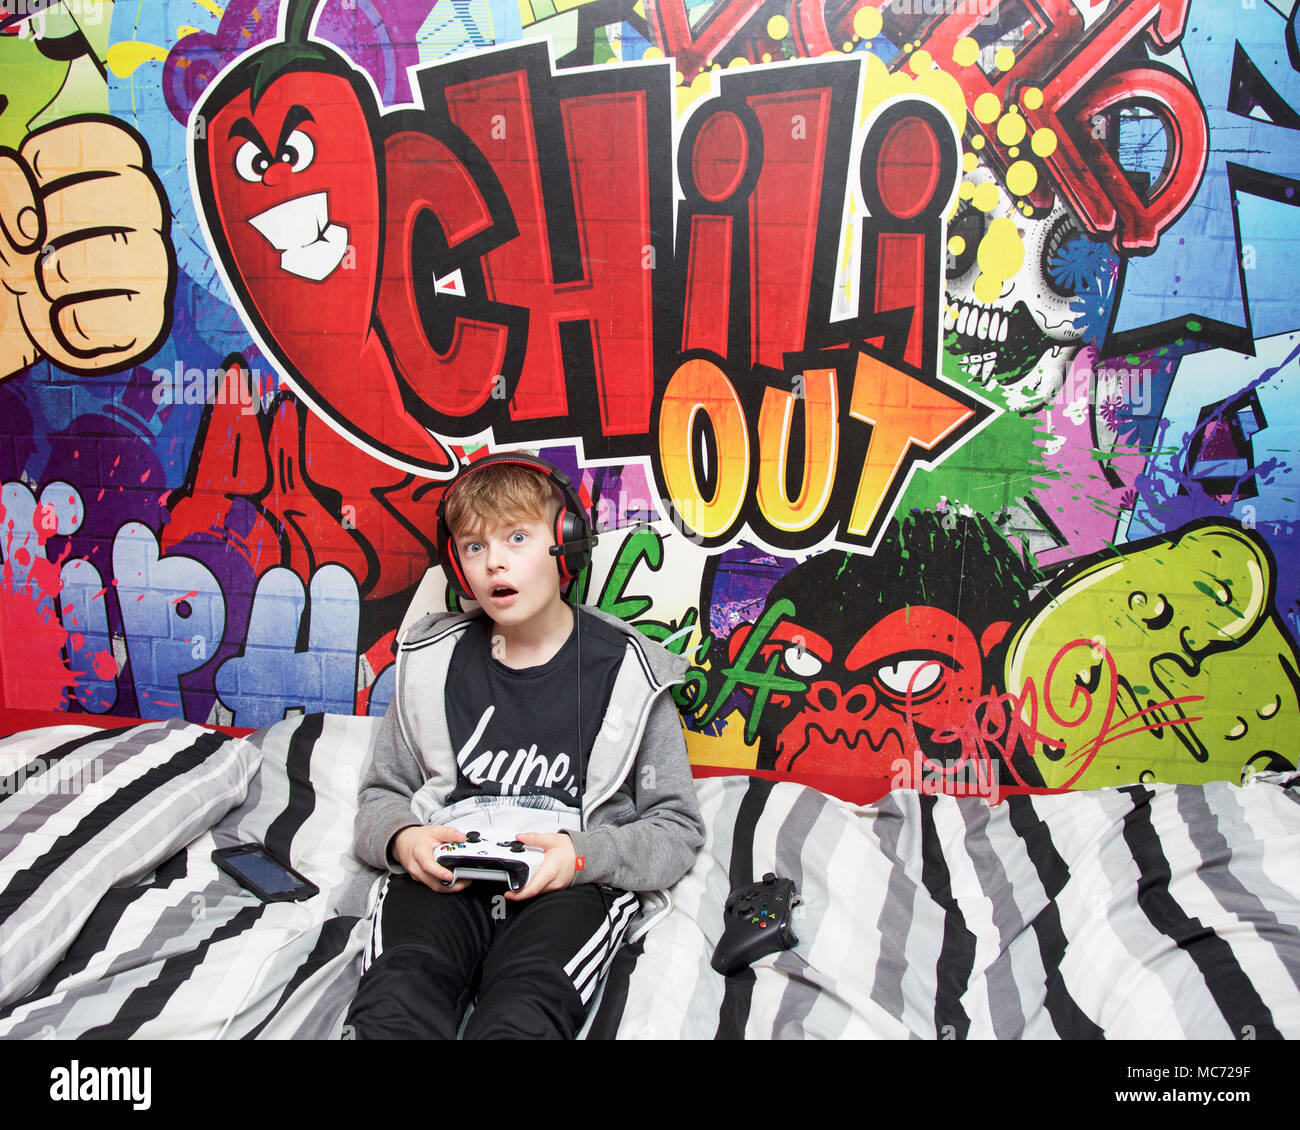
[1146, 911]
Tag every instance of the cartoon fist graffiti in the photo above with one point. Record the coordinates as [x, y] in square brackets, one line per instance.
[87, 269]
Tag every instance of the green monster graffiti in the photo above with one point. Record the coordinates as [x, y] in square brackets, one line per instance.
[1167, 663]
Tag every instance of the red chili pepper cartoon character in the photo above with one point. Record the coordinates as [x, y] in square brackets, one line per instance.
[290, 187]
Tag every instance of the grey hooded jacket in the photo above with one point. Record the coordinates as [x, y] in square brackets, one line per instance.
[641, 823]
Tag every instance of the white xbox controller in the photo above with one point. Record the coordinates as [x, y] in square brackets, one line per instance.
[481, 857]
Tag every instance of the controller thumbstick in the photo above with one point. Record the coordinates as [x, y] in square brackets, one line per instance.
[472, 837]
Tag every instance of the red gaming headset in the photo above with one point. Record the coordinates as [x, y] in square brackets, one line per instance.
[572, 523]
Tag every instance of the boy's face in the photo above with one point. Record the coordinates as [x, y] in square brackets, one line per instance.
[510, 569]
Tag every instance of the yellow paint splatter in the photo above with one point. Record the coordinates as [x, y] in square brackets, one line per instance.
[184, 30]
[778, 27]
[943, 88]
[987, 108]
[965, 52]
[920, 62]
[985, 196]
[1000, 255]
[700, 87]
[969, 162]
[1022, 178]
[938, 85]
[1011, 128]
[965, 190]
[1043, 142]
[956, 245]
[211, 7]
[867, 23]
[1032, 98]
[127, 55]
[1004, 58]
[977, 142]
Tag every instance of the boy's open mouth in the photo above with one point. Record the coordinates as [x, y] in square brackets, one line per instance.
[500, 589]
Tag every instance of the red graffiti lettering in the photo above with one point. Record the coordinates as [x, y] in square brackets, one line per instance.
[577, 263]
[1001, 727]
[1063, 79]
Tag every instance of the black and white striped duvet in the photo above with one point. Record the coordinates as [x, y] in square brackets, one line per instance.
[1160, 911]
[1151, 911]
[183, 951]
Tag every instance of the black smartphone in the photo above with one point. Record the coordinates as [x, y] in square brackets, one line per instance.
[269, 878]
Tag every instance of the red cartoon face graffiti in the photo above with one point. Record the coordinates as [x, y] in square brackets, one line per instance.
[290, 188]
[297, 190]
[908, 683]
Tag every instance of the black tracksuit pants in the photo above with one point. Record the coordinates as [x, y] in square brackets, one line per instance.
[530, 968]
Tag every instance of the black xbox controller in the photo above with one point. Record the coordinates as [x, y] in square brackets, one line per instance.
[757, 922]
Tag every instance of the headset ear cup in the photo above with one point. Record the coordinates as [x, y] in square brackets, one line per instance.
[574, 540]
[450, 562]
[558, 528]
[459, 585]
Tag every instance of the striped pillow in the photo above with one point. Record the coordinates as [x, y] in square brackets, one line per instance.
[85, 810]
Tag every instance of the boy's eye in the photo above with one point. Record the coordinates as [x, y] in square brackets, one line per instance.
[518, 537]
[472, 547]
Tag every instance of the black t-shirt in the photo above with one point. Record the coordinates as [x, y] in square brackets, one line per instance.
[515, 732]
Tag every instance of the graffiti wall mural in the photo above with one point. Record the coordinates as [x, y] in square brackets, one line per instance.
[931, 366]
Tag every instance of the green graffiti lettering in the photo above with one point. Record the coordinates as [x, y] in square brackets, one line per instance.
[762, 681]
[644, 545]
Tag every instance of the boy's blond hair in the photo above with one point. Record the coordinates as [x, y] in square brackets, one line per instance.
[502, 493]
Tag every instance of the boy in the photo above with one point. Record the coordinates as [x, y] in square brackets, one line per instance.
[528, 718]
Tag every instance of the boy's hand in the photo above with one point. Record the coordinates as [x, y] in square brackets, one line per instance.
[558, 867]
[415, 847]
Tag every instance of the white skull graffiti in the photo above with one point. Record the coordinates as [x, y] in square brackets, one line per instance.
[1024, 340]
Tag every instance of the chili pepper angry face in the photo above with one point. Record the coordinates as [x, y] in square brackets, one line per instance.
[294, 182]
[290, 186]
